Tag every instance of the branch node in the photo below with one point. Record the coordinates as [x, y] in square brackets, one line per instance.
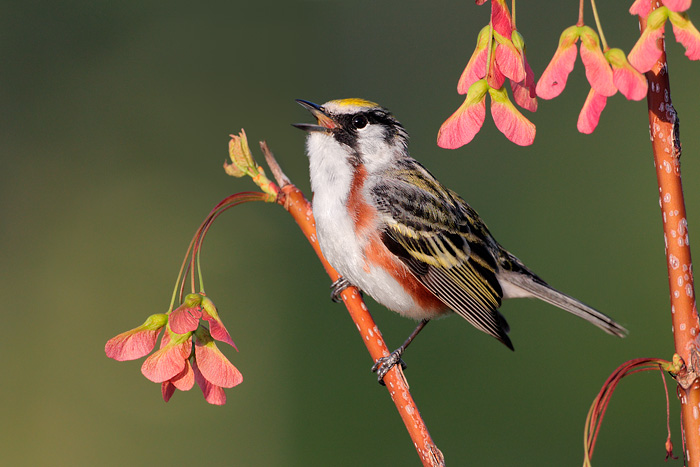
[436, 456]
[689, 373]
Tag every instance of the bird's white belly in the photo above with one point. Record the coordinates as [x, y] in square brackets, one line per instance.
[346, 253]
[331, 182]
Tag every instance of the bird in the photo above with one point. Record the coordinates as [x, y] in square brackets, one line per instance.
[392, 230]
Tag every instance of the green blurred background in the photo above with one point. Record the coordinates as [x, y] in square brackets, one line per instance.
[115, 122]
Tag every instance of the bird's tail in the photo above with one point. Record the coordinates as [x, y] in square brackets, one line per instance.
[533, 286]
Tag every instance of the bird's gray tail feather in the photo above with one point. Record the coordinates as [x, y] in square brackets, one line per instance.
[535, 287]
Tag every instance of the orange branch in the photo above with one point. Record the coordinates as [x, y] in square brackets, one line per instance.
[664, 130]
[296, 204]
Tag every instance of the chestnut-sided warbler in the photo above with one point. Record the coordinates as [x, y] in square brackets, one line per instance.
[392, 230]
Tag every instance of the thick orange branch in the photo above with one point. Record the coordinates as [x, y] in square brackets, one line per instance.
[664, 130]
[296, 204]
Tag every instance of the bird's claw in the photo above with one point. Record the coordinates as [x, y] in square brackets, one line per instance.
[337, 288]
[384, 364]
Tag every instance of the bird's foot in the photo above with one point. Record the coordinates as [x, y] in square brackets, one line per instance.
[337, 288]
[384, 364]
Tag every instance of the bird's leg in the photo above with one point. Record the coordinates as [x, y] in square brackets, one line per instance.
[337, 288]
[384, 364]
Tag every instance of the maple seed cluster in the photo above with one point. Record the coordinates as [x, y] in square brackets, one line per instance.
[500, 54]
[187, 352]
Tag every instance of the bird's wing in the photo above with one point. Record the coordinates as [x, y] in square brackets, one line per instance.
[443, 243]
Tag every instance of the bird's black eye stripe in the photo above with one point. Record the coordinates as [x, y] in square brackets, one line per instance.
[350, 127]
[377, 116]
[361, 120]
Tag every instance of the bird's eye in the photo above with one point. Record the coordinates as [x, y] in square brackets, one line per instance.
[359, 121]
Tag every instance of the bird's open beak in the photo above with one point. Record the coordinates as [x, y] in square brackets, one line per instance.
[325, 122]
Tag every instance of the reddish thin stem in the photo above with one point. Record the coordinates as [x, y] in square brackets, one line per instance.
[223, 206]
[579, 23]
[603, 42]
[669, 443]
[512, 13]
[188, 263]
[596, 413]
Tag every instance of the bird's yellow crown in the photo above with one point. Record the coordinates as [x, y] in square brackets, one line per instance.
[355, 102]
